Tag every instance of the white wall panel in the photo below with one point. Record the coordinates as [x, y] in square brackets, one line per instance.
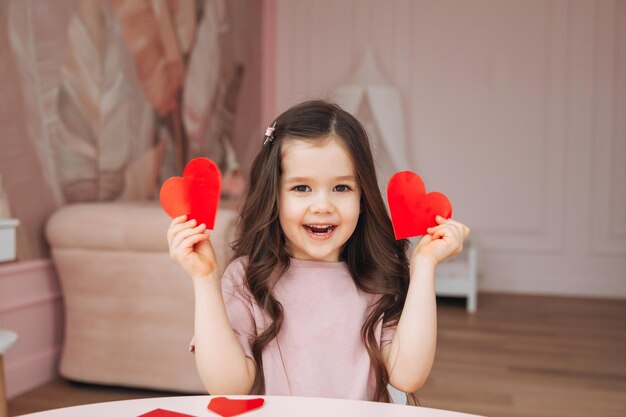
[608, 139]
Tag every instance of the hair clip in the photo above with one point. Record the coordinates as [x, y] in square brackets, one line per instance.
[269, 134]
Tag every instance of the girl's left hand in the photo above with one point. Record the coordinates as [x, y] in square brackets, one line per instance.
[442, 241]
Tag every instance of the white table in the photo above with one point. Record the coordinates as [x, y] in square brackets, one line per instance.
[274, 406]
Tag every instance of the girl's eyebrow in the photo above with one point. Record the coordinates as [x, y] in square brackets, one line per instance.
[297, 179]
[308, 179]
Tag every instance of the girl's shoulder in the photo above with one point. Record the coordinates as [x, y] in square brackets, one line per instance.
[236, 270]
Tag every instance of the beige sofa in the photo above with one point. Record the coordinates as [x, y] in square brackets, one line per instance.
[128, 305]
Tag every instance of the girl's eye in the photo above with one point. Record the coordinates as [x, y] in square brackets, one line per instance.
[342, 188]
[301, 188]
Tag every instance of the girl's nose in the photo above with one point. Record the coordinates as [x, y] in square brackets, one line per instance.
[322, 204]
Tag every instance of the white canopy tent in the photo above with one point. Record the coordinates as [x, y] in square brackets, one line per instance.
[376, 103]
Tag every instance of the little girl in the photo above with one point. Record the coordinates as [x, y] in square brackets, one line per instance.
[320, 299]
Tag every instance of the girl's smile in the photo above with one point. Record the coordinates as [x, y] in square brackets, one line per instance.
[320, 232]
[319, 198]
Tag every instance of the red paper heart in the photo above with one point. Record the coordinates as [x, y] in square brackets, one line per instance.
[226, 407]
[195, 194]
[159, 412]
[412, 210]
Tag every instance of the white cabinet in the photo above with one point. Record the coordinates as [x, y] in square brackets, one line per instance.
[7, 239]
[457, 277]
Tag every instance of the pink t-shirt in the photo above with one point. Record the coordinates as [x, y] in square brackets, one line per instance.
[320, 339]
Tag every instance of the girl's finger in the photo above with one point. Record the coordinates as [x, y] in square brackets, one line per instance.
[175, 221]
[178, 219]
[461, 227]
[434, 229]
[192, 240]
[458, 224]
[187, 244]
[440, 219]
[447, 231]
[442, 233]
[179, 227]
[186, 233]
[440, 222]
[180, 236]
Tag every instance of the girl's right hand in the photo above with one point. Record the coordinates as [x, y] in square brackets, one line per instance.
[191, 247]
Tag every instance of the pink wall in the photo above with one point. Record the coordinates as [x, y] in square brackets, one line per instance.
[515, 109]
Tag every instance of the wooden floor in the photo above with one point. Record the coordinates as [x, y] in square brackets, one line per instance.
[526, 356]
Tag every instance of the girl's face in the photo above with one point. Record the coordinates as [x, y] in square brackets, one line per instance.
[319, 200]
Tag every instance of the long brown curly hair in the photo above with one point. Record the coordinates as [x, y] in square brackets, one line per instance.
[375, 259]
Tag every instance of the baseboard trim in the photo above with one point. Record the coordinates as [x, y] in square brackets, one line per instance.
[31, 300]
[30, 372]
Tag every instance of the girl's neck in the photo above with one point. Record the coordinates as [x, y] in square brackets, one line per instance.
[316, 263]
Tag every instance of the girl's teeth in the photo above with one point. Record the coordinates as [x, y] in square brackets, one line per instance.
[320, 230]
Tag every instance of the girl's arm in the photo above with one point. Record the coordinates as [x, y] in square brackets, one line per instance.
[410, 355]
[222, 364]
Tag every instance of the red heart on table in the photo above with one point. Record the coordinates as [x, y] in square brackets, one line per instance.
[159, 412]
[195, 194]
[412, 210]
[226, 407]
